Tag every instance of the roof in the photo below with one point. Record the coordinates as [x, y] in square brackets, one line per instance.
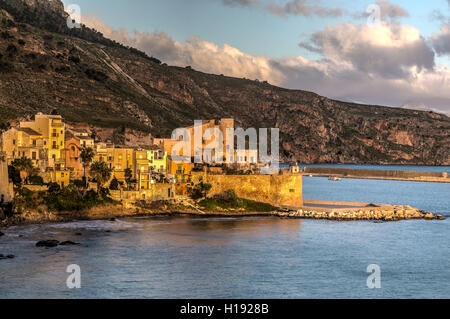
[29, 131]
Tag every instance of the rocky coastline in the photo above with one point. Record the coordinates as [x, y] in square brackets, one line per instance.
[41, 215]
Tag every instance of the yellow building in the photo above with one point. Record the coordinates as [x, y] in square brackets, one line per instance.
[117, 158]
[52, 129]
[62, 178]
[149, 163]
[25, 142]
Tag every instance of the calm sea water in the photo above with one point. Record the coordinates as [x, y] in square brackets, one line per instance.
[243, 257]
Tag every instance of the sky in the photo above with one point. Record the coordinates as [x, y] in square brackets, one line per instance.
[385, 52]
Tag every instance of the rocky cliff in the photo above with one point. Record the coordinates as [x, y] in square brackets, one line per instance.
[45, 66]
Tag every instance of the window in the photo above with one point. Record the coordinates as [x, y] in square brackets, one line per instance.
[34, 156]
[14, 142]
[73, 148]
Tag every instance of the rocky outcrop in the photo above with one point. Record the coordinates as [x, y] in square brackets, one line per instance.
[7, 256]
[47, 243]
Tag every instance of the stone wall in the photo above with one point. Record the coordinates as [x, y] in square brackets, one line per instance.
[5, 187]
[277, 190]
[156, 192]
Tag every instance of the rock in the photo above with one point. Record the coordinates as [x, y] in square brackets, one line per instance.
[10, 256]
[112, 219]
[440, 217]
[78, 234]
[1, 234]
[429, 216]
[47, 243]
[69, 243]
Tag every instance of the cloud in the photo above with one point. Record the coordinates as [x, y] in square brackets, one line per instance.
[291, 7]
[388, 50]
[386, 64]
[388, 11]
[301, 7]
[441, 41]
[244, 3]
[392, 11]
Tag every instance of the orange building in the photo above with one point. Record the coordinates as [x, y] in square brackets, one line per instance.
[181, 172]
[71, 156]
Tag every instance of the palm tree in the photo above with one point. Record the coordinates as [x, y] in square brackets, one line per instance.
[101, 172]
[128, 176]
[87, 156]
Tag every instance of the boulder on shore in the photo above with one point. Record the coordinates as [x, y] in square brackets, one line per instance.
[47, 243]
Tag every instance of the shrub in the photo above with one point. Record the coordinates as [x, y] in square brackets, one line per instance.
[36, 180]
[6, 35]
[54, 188]
[11, 49]
[96, 75]
[74, 59]
[200, 191]
[114, 185]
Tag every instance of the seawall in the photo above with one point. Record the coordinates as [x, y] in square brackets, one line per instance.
[436, 177]
[277, 190]
[6, 191]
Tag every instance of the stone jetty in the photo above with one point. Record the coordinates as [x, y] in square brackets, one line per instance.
[396, 214]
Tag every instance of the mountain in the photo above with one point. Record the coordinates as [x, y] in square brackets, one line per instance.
[122, 94]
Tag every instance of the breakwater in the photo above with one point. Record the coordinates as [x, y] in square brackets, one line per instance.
[346, 211]
[436, 177]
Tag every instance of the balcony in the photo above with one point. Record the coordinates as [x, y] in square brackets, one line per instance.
[56, 135]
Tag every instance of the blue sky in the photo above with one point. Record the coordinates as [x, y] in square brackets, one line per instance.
[340, 57]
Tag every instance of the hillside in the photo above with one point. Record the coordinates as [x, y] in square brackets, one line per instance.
[45, 66]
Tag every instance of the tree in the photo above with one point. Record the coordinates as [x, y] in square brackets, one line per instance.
[128, 176]
[114, 185]
[200, 191]
[102, 173]
[87, 156]
[24, 166]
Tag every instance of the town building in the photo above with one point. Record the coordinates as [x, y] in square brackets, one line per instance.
[52, 130]
[25, 142]
[118, 158]
[71, 156]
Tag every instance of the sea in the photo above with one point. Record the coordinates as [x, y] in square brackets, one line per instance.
[249, 258]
